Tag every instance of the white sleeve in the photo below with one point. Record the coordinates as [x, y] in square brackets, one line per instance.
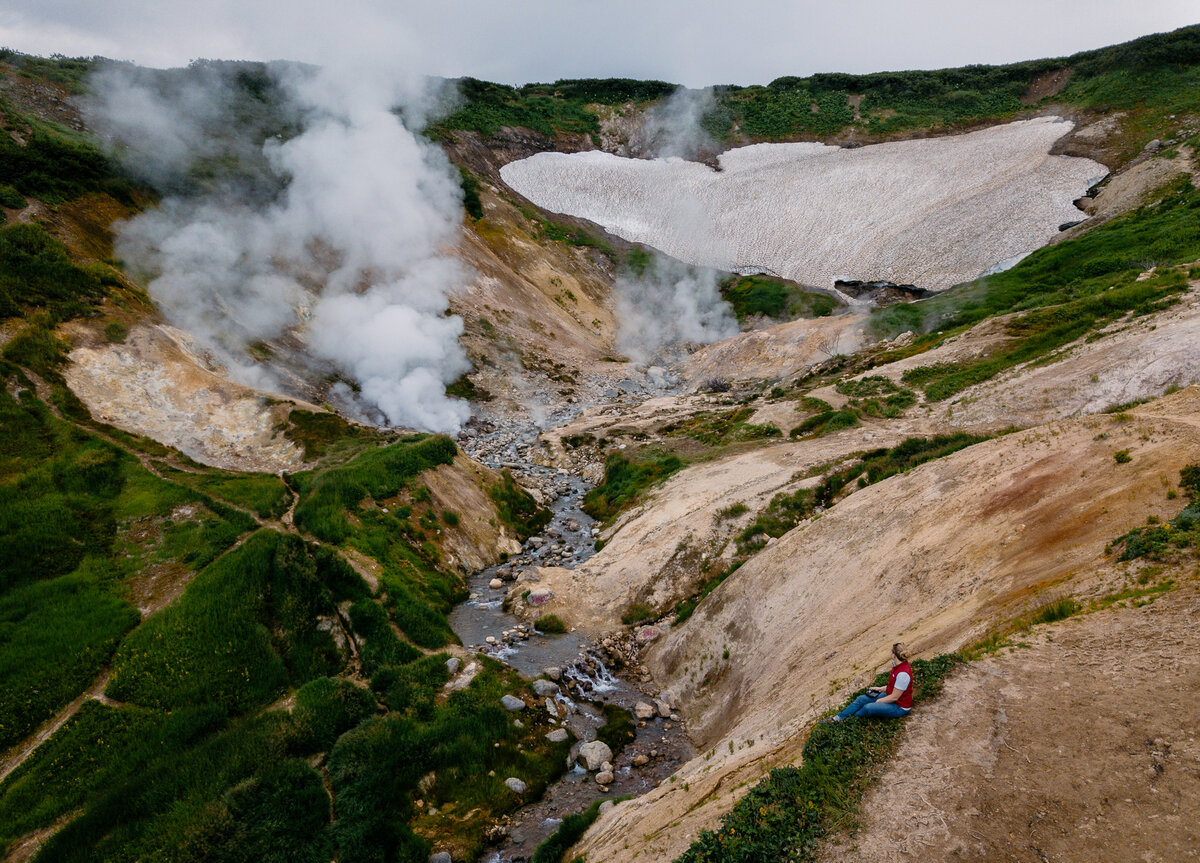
[902, 682]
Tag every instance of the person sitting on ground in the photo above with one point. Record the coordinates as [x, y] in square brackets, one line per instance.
[891, 702]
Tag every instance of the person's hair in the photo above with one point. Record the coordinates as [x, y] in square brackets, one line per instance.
[900, 651]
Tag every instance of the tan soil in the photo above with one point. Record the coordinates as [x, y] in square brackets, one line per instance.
[1045, 85]
[934, 557]
[155, 385]
[1082, 746]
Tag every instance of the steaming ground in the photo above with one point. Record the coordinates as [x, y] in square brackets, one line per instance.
[931, 212]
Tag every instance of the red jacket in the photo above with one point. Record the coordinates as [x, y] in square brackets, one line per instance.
[905, 700]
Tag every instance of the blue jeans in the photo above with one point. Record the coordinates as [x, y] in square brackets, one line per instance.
[865, 706]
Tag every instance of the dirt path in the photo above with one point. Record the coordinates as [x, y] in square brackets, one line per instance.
[21, 752]
[1082, 746]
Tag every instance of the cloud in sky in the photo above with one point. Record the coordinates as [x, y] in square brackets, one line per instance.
[693, 42]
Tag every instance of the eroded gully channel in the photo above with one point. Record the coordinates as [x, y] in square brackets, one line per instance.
[660, 745]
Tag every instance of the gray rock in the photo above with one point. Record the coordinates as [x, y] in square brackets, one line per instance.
[441, 857]
[605, 778]
[517, 786]
[594, 753]
[664, 709]
[558, 735]
[642, 710]
[606, 805]
[452, 664]
[511, 702]
[640, 760]
[545, 687]
[553, 672]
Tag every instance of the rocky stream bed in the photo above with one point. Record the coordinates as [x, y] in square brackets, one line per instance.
[579, 671]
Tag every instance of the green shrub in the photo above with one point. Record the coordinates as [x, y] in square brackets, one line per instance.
[54, 637]
[1059, 609]
[412, 688]
[826, 422]
[550, 624]
[11, 199]
[637, 613]
[116, 332]
[625, 480]
[327, 495]
[381, 647]
[568, 832]
[517, 508]
[760, 295]
[1122, 456]
[470, 191]
[37, 273]
[244, 627]
[618, 728]
[325, 709]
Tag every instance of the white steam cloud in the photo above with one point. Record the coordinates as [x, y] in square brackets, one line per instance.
[674, 127]
[351, 253]
[670, 306]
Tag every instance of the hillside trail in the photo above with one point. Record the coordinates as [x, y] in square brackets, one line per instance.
[1081, 745]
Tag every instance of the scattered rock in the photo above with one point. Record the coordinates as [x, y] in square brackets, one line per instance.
[495, 584]
[441, 857]
[540, 596]
[642, 710]
[517, 786]
[545, 688]
[606, 805]
[664, 709]
[491, 639]
[640, 760]
[511, 702]
[452, 664]
[553, 672]
[605, 778]
[594, 753]
[558, 735]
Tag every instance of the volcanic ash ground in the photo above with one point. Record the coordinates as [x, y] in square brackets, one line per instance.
[931, 212]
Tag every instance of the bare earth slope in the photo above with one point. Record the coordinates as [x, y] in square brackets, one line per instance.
[1082, 746]
[932, 212]
[934, 557]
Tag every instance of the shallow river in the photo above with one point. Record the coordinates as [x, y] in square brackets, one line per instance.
[567, 542]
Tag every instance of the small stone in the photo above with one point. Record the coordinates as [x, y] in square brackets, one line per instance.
[606, 767]
[664, 709]
[640, 760]
[540, 596]
[491, 639]
[515, 784]
[605, 806]
[511, 702]
[518, 723]
[495, 584]
[642, 710]
[553, 672]
[605, 778]
[545, 688]
[558, 735]
[453, 664]
[441, 857]
[594, 753]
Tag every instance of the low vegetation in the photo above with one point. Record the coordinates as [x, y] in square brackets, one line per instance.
[1061, 293]
[625, 479]
[784, 816]
[517, 508]
[772, 298]
[1165, 542]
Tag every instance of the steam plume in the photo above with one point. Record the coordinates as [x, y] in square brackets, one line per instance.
[669, 306]
[351, 247]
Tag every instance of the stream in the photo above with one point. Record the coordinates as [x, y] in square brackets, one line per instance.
[660, 742]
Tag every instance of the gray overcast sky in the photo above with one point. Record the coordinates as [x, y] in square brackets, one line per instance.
[515, 41]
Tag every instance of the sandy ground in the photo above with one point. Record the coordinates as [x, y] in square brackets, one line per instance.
[1082, 746]
[932, 212]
